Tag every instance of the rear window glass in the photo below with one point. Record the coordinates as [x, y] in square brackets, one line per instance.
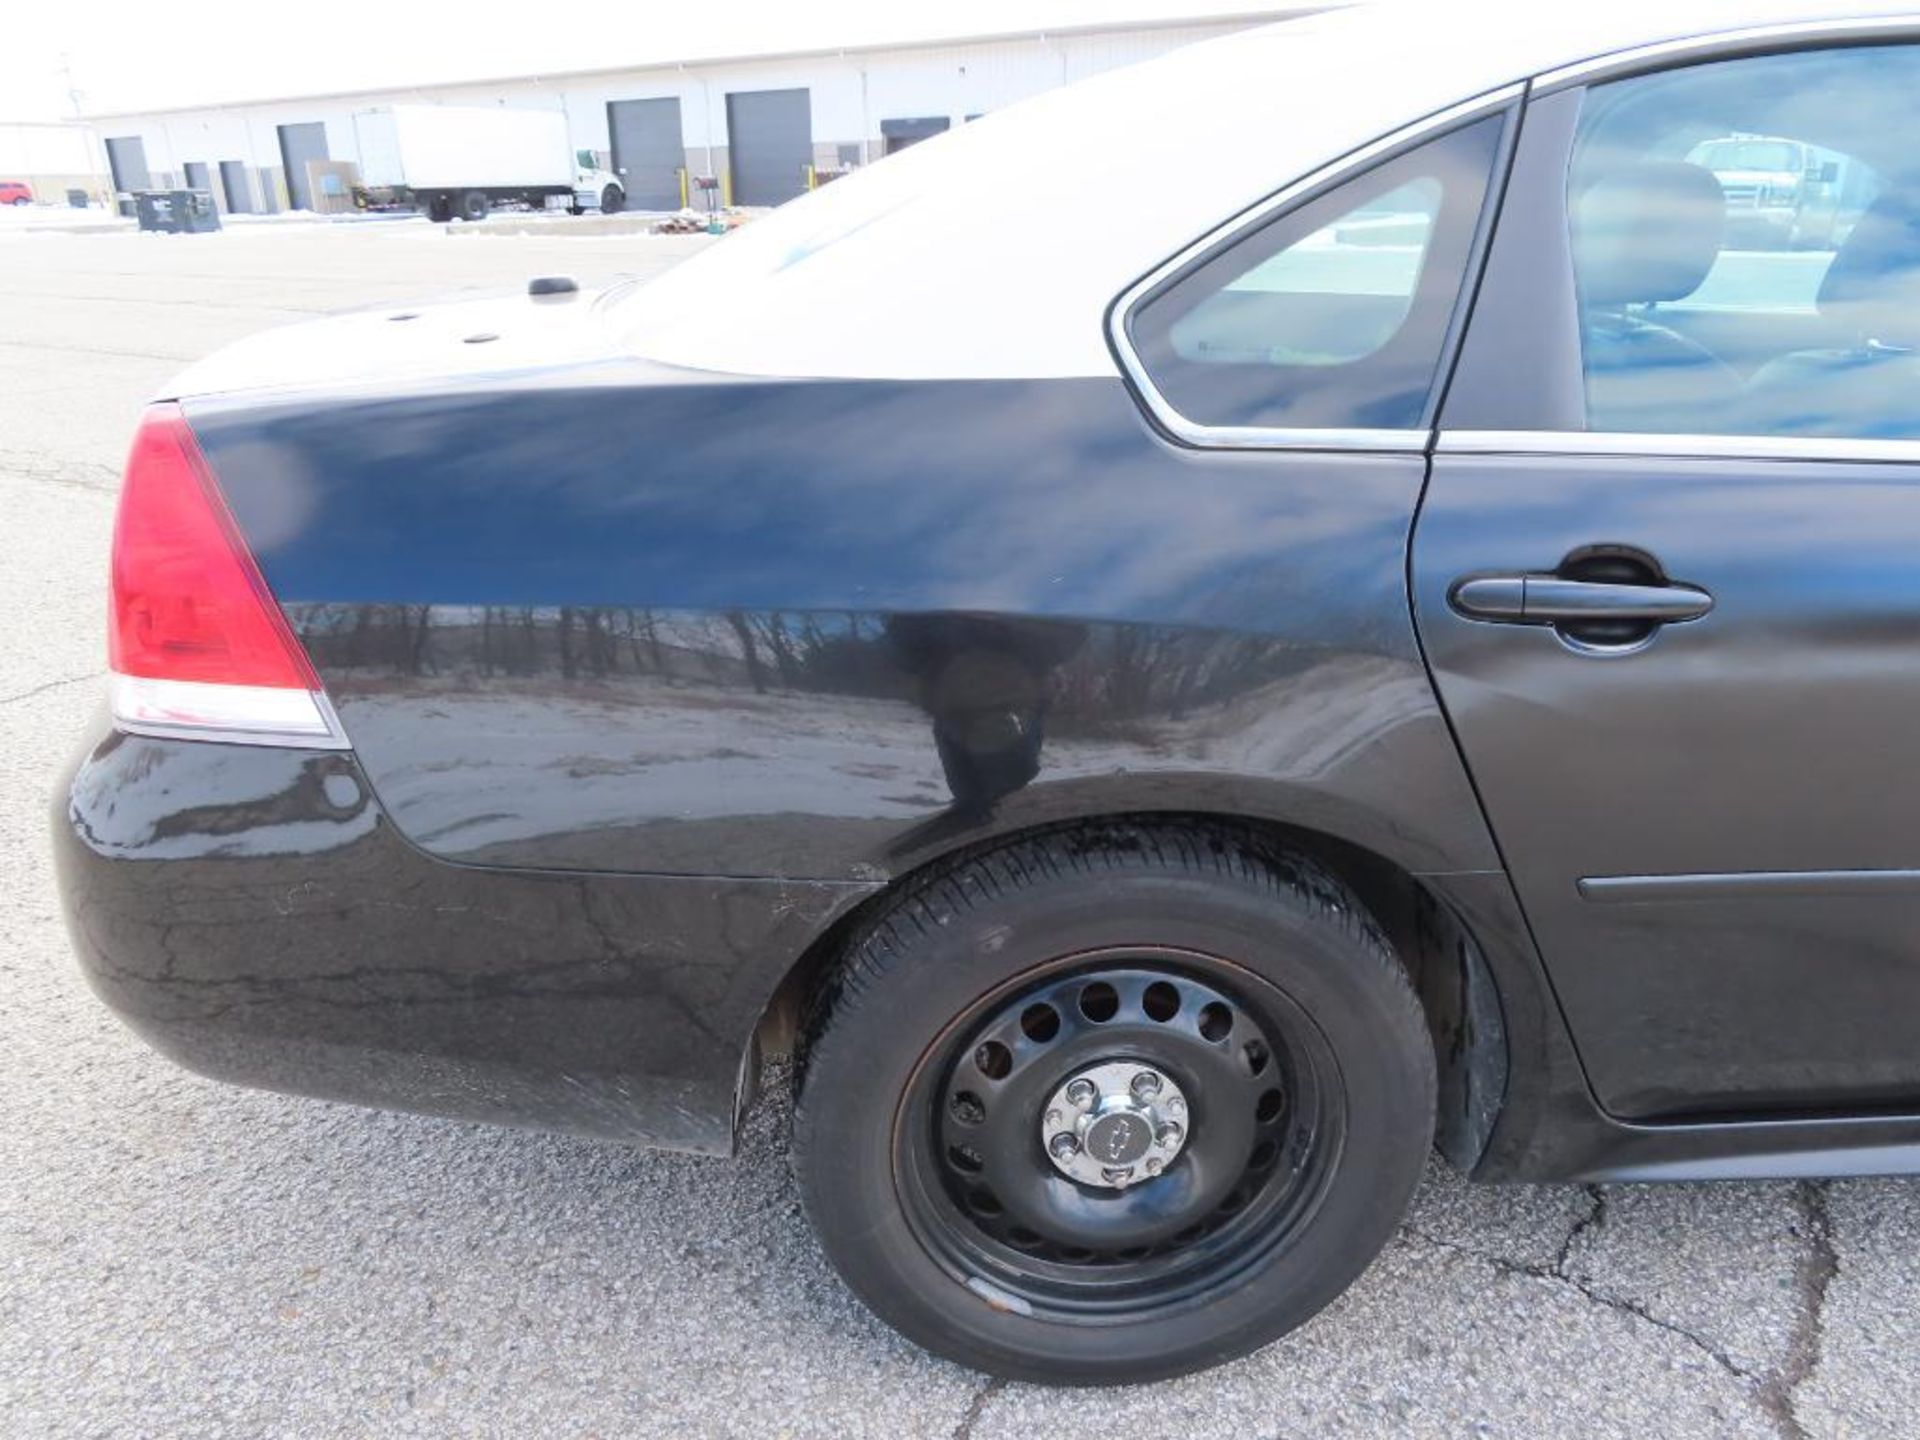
[1333, 314]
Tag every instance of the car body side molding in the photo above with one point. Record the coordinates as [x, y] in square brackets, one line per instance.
[1645, 889]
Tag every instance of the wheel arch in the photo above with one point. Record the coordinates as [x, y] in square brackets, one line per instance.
[1465, 1004]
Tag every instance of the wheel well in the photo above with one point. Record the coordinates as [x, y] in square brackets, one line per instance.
[1455, 984]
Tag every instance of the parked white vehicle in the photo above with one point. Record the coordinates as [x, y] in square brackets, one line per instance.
[462, 160]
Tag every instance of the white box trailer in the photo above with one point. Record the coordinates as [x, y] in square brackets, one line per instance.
[461, 160]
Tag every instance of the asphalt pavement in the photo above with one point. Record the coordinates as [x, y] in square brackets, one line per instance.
[180, 1258]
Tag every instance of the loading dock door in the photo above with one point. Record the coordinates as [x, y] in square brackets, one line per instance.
[197, 176]
[127, 157]
[648, 150]
[298, 145]
[770, 144]
[899, 134]
[233, 180]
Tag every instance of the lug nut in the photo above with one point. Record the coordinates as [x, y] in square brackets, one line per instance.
[1146, 1085]
[1155, 1165]
[1053, 1119]
[1170, 1134]
[1175, 1105]
[1082, 1093]
[1117, 1175]
[1064, 1146]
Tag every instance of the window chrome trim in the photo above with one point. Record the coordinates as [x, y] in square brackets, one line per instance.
[1727, 44]
[1275, 437]
[1677, 447]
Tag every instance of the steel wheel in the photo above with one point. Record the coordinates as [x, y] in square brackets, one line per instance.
[1121, 1135]
[1110, 1104]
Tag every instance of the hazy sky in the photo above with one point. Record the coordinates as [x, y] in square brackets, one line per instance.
[126, 54]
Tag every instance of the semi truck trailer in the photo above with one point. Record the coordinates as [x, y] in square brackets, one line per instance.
[462, 160]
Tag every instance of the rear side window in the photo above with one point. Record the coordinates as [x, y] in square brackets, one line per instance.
[1332, 315]
[1746, 247]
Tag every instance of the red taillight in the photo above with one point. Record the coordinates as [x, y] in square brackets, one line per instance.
[188, 602]
[194, 637]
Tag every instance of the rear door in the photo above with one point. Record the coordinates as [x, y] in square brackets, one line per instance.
[1667, 575]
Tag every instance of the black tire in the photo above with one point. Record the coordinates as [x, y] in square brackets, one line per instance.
[1096, 1285]
[612, 200]
[439, 209]
[474, 206]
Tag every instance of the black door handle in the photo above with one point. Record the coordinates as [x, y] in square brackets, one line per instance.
[1552, 600]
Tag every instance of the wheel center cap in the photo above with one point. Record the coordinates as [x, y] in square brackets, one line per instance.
[1119, 1137]
[1115, 1124]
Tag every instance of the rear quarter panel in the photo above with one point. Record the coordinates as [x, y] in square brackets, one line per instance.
[621, 618]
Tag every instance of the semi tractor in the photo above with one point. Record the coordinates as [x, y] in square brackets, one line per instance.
[462, 160]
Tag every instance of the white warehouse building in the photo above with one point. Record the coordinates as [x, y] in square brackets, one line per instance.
[766, 126]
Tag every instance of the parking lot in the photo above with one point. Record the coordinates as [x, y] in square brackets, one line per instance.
[180, 1258]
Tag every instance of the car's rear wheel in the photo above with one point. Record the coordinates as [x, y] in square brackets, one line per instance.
[1105, 1106]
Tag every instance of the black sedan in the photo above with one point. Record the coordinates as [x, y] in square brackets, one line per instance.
[1173, 647]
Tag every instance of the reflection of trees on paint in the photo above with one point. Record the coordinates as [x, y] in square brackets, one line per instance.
[1088, 678]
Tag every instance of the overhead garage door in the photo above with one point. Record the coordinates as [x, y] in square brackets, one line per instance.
[899, 134]
[648, 150]
[127, 157]
[770, 144]
[233, 180]
[197, 176]
[298, 145]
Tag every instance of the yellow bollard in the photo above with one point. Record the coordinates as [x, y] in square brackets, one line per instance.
[682, 173]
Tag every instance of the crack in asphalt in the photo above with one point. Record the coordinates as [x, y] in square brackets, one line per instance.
[45, 686]
[1773, 1390]
[35, 470]
[30, 346]
[1813, 1277]
[1554, 1276]
[964, 1430]
[1595, 1217]
[120, 302]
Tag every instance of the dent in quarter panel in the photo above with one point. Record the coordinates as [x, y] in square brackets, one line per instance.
[810, 743]
[827, 628]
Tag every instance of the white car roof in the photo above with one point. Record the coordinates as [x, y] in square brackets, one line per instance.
[994, 250]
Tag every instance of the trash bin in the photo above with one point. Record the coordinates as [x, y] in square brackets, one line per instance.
[154, 210]
[77, 199]
[176, 212]
[195, 211]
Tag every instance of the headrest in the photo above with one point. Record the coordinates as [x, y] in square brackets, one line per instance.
[1648, 232]
[1872, 285]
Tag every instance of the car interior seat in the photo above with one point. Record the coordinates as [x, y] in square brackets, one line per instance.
[1646, 234]
[1868, 383]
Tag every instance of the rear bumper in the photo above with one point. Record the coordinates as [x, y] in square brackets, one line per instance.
[252, 914]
